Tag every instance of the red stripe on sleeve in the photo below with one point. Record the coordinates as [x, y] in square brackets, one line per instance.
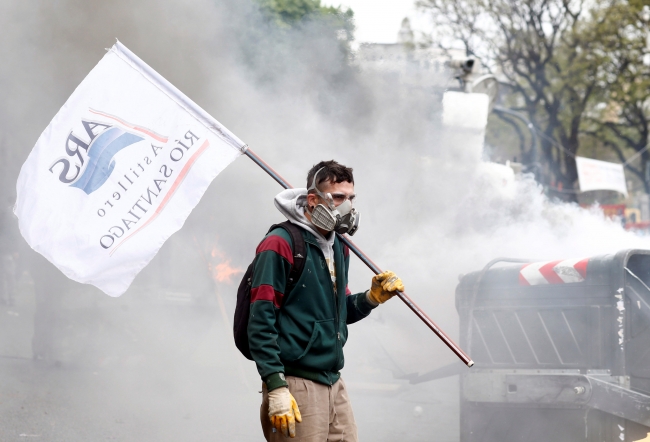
[347, 291]
[346, 251]
[278, 245]
[581, 267]
[266, 293]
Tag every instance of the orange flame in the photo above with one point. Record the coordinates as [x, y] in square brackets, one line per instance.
[222, 271]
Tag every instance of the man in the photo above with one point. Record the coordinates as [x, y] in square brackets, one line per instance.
[297, 331]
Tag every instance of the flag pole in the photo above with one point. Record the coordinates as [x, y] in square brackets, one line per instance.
[367, 261]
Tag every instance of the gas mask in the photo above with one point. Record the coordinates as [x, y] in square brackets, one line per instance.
[341, 219]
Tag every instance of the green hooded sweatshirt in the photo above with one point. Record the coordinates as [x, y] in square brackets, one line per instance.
[301, 332]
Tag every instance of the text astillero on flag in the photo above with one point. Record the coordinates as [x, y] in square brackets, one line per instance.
[117, 172]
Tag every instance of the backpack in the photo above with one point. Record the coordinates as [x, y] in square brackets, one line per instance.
[243, 307]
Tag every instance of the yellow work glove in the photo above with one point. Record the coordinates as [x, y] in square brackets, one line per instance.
[384, 286]
[283, 411]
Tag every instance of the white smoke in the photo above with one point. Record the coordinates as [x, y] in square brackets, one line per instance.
[428, 213]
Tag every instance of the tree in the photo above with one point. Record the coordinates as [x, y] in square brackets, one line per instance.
[620, 119]
[551, 55]
[285, 41]
[289, 12]
[291, 27]
[294, 14]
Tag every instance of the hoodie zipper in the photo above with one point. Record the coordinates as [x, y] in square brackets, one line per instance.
[339, 348]
[336, 301]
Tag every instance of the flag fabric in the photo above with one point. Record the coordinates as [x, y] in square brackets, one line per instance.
[600, 175]
[117, 172]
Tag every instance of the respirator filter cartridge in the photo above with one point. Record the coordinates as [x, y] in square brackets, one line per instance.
[323, 218]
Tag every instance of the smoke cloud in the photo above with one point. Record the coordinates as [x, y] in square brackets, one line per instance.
[158, 364]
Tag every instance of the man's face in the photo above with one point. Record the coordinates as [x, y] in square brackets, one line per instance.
[339, 191]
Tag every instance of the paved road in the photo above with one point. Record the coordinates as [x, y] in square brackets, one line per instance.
[137, 370]
[59, 404]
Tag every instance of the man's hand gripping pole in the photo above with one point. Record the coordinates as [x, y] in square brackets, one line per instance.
[367, 261]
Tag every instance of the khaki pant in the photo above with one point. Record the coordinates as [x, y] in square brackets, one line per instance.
[326, 413]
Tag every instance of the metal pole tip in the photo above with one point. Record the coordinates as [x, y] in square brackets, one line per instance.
[470, 363]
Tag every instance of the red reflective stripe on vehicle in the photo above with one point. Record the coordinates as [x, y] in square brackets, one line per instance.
[581, 267]
[549, 274]
[278, 245]
[522, 280]
[347, 291]
[266, 293]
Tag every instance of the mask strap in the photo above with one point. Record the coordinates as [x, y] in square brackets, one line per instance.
[313, 181]
[326, 198]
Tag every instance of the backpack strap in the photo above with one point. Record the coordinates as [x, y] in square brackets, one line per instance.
[299, 250]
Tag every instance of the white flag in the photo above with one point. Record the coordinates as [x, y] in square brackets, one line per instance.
[117, 172]
[600, 175]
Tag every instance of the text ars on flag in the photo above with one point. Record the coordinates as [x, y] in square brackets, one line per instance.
[117, 172]
[600, 175]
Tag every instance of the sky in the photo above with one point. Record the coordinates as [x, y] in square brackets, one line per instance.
[377, 21]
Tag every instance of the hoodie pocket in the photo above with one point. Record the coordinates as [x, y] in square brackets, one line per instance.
[320, 353]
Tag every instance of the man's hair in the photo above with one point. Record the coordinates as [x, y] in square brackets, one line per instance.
[332, 172]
